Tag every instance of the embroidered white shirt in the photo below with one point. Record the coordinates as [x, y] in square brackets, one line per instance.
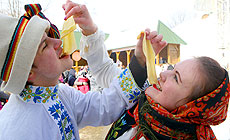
[32, 119]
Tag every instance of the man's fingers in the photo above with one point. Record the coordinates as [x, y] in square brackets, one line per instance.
[76, 11]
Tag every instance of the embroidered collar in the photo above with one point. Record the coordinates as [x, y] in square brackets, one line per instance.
[37, 94]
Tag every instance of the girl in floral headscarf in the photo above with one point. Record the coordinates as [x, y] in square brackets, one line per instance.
[192, 96]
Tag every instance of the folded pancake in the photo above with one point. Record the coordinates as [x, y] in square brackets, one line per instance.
[67, 35]
[150, 59]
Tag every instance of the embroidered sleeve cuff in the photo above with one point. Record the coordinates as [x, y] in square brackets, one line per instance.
[132, 87]
[139, 73]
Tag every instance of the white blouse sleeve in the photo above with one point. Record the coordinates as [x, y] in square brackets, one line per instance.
[102, 67]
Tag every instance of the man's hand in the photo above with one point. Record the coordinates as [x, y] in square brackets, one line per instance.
[81, 17]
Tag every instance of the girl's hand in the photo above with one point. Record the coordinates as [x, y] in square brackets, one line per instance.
[156, 41]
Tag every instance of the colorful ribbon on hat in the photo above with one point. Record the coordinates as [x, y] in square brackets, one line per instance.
[31, 10]
[19, 30]
[35, 9]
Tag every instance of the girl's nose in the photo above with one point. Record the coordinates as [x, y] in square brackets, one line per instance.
[164, 75]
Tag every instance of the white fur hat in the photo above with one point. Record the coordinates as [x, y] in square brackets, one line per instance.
[19, 41]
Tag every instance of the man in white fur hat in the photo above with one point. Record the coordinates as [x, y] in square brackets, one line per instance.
[31, 63]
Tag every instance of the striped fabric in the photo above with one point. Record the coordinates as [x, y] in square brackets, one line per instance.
[13, 47]
[35, 9]
[31, 10]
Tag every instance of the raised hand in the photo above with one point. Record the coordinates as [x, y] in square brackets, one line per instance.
[81, 16]
[156, 41]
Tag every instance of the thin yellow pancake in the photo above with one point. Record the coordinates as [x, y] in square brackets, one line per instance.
[150, 59]
[67, 35]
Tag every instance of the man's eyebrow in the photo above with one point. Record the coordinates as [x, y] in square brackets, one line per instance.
[43, 40]
[179, 76]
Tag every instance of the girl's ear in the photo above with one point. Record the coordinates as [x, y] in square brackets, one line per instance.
[31, 76]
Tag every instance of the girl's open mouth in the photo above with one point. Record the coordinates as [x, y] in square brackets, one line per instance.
[157, 86]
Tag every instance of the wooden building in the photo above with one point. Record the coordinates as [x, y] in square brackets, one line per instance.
[171, 53]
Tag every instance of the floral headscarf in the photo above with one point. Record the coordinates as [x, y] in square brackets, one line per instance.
[189, 121]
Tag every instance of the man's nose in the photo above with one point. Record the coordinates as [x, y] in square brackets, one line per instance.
[57, 44]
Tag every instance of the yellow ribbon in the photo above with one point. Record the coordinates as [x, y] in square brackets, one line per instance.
[150, 59]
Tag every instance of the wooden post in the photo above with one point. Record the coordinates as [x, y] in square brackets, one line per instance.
[110, 52]
[76, 66]
[178, 53]
[117, 56]
[169, 55]
[128, 56]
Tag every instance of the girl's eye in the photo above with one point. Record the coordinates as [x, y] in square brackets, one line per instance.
[175, 77]
[170, 67]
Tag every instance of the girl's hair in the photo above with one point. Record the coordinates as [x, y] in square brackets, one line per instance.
[211, 76]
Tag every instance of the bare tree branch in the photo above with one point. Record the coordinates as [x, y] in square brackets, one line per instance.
[178, 18]
[14, 8]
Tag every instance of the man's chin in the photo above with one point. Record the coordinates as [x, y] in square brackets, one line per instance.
[68, 65]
